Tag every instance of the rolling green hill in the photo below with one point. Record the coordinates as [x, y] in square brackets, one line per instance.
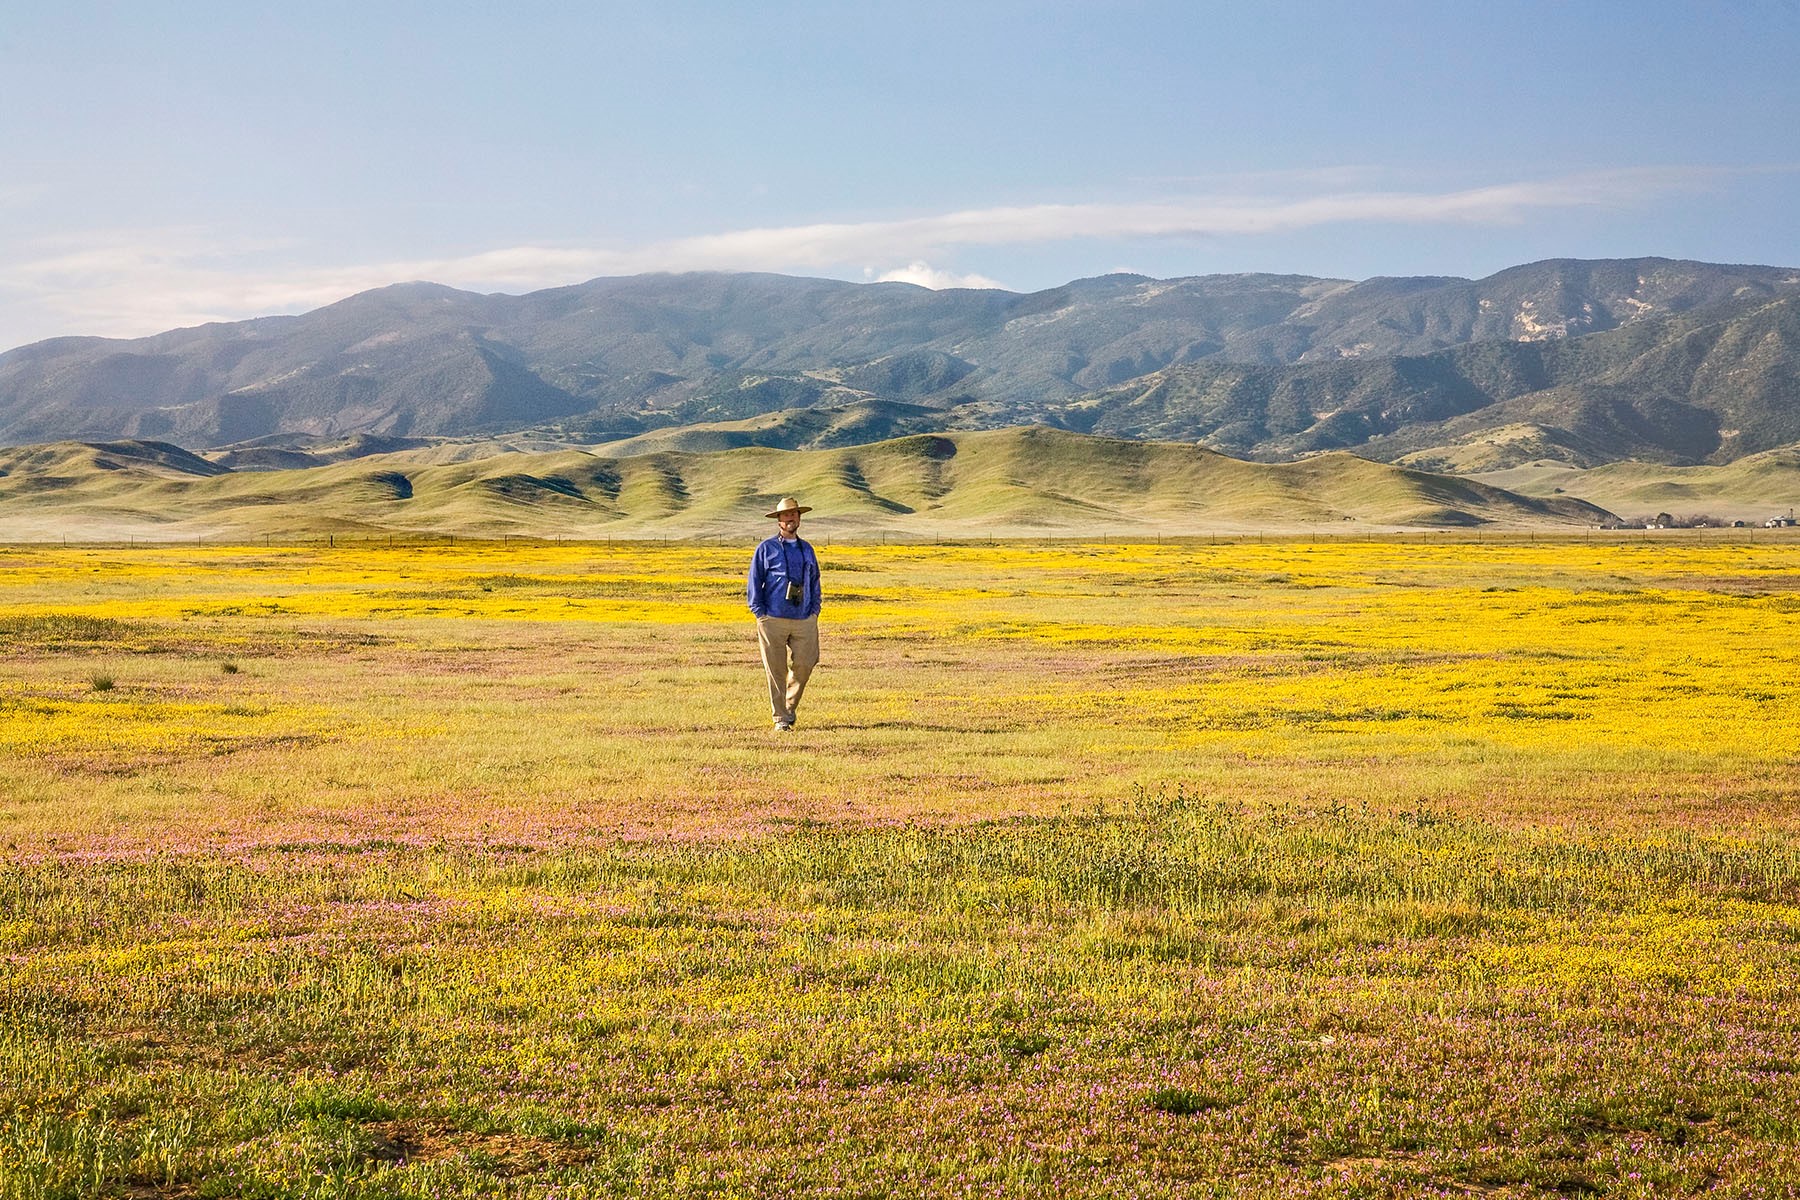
[1013, 482]
[1752, 489]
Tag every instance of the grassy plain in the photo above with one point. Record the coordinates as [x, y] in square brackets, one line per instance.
[1329, 869]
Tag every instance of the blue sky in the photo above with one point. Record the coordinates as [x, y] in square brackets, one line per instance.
[164, 165]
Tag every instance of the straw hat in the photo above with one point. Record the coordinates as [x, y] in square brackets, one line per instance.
[789, 504]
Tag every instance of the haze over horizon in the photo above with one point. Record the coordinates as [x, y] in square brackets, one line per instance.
[167, 168]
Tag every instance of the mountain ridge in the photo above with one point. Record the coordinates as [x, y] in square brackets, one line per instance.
[624, 356]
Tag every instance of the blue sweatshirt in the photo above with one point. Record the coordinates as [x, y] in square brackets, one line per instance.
[776, 562]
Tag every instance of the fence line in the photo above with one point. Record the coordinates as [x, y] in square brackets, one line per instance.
[749, 537]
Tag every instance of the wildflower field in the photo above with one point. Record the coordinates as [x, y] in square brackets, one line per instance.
[1335, 868]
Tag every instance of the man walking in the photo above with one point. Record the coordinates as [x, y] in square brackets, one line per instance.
[784, 595]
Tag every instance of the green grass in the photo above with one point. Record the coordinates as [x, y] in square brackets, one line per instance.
[58, 631]
[1146, 1002]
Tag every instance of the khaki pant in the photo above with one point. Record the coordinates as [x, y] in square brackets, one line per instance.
[790, 650]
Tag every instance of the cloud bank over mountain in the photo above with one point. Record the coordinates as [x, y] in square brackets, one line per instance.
[126, 283]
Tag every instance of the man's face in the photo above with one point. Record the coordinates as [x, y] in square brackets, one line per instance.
[789, 523]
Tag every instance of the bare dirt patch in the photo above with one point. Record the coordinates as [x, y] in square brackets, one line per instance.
[404, 1142]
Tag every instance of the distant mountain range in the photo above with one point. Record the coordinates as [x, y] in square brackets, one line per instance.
[1571, 362]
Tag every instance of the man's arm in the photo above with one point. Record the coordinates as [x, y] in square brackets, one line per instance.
[818, 584]
[753, 590]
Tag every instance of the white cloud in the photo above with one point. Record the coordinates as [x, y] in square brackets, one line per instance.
[124, 284]
[925, 275]
[818, 246]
